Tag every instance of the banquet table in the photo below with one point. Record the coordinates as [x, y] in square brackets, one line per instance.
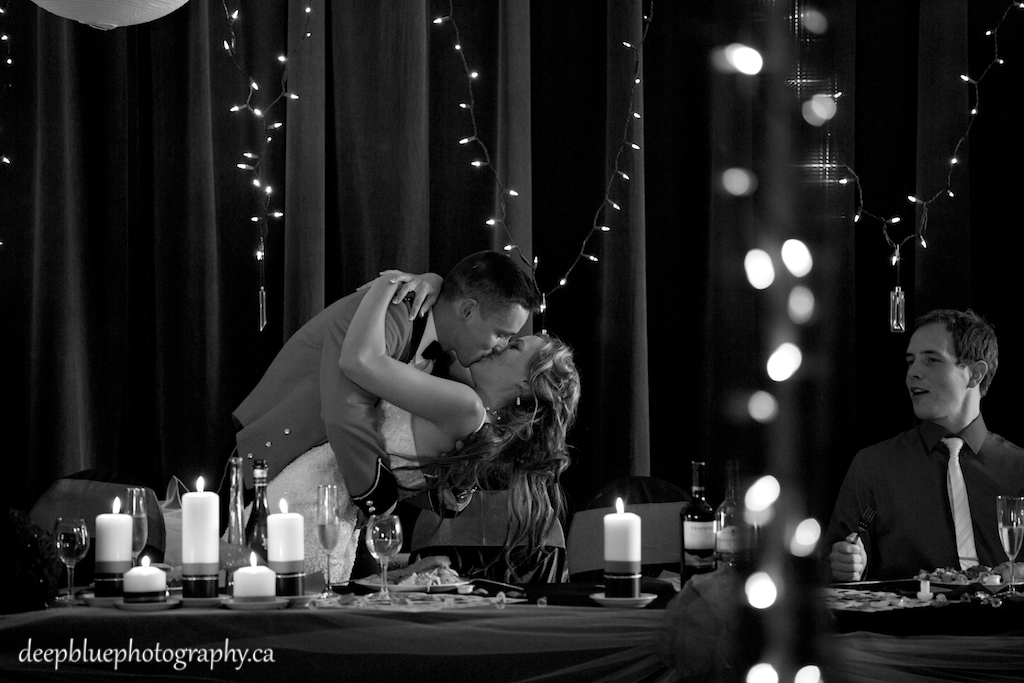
[570, 638]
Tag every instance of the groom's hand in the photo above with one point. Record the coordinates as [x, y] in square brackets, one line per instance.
[422, 290]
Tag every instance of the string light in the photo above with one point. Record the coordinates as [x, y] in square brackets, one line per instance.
[897, 302]
[6, 67]
[254, 160]
[617, 175]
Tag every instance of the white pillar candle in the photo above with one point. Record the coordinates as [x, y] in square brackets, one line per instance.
[621, 535]
[114, 535]
[145, 579]
[285, 536]
[200, 526]
[254, 582]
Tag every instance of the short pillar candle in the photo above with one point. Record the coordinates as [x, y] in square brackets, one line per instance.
[145, 583]
[621, 553]
[254, 583]
[113, 551]
[286, 550]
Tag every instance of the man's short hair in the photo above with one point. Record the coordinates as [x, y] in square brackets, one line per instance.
[974, 338]
[494, 280]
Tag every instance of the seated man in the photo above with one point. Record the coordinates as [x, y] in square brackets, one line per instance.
[912, 481]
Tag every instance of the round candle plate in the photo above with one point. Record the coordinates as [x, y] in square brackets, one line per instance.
[198, 603]
[301, 600]
[276, 603]
[642, 601]
[91, 600]
[170, 603]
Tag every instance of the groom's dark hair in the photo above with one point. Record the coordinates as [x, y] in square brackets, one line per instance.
[494, 280]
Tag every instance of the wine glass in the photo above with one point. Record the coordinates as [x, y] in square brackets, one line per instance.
[140, 523]
[72, 539]
[1010, 516]
[328, 524]
[384, 540]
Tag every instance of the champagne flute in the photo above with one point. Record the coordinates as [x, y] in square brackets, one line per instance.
[72, 539]
[140, 523]
[328, 525]
[1010, 516]
[384, 540]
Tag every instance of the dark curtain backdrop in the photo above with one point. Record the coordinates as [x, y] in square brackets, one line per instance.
[128, 281]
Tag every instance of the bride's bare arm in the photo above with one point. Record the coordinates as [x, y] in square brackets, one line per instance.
[453, 407]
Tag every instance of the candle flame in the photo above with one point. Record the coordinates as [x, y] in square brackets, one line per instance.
[116, 507]
[199, 484]
[619, 507]
[252, 559]
[144, 561]
[283, 505]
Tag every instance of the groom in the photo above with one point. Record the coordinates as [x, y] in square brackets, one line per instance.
[304, 399]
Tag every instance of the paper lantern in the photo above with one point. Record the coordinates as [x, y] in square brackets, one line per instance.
[108, 14]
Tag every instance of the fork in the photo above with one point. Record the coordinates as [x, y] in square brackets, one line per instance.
[866, 518]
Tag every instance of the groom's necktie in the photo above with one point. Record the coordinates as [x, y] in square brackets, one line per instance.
[959, 505]
[437, 356]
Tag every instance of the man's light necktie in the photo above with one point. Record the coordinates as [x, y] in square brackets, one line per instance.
[959, 505]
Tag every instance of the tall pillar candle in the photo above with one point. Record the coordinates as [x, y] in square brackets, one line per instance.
[621, 553]
[286, 550]
[200, 536]
[113, 551]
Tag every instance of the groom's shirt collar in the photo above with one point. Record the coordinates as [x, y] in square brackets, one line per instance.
[429, 335]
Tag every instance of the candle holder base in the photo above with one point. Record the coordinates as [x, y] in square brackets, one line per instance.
[204, 586]
[622, 585]
[150, 596]
[291, 585]
[109, 585]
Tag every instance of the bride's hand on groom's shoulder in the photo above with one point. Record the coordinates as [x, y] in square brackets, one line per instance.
[422, 290]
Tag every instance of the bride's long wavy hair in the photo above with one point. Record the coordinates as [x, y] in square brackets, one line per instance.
[524, 450]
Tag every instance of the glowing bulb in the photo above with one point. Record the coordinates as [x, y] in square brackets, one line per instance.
[561, 283]
[440, 20]
[626, 44]
[636, 115]
[912, 199]
[591, 257]
[843, 181]
[923, 243]
[950, 193]
[814, 21]
[254, 85]
[282, 59]
[974, 111]
[616, 206]
[797, 257]
[739, 182]
[236, 107]
[784, 362]
[275, 126]
[473, 74]
[634, 146]
[277, 214]
[457, 46]
[763, 493]
[624, 176]
[259, 254]
[758, 266]
[464, 141]
[308, 9]
[819, 109]
[808, 674]
[258, 112]
[761, 591]
[256, 182]
[954, 161]
[762, 407]
[895, 219]
[805, 538]
[762, 673]
[604, 228]
[513, 193]
[800, 305]
[738, 57]
[477, 164]
[268, 189]
[965, 78]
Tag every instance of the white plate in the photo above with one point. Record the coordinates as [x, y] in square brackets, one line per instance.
[276, 603]
[170, 603]
[197, 603]
[642, 601]
[91, 600]
[374, 583]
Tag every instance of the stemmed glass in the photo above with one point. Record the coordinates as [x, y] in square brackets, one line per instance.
[72, 539]
[328, 524]
[140, 523]
[1010, 516]
[384, 540]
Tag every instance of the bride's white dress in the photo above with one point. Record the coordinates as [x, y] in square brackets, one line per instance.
[297, 483]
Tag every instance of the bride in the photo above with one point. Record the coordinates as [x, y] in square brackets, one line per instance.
[505, 428]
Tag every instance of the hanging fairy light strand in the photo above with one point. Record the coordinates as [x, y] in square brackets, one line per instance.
[601, 222]
[252, 161]
[6, 66]
[897, 302]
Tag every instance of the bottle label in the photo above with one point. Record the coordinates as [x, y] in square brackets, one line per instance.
[732, 539]
[698, 535]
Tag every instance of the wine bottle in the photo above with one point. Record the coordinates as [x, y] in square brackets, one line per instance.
[732, 533]
[256, 529]
[236, 504]
[697, 521]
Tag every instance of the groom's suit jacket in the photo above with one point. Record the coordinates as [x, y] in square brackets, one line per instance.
[304, 399]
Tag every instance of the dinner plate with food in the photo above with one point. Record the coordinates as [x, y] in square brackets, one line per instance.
[427, 575]
[992, 578]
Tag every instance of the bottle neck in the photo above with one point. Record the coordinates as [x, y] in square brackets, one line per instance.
[697, 481]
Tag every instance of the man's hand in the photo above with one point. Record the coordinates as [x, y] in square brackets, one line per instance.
[848, 559]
